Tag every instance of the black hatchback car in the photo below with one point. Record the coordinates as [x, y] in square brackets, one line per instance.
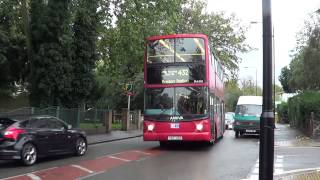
[31, 137]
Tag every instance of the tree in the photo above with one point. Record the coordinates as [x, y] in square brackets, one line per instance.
[248, 87]
[85, 50]
[303, 73]
[12, 47]
[225, 34]
[51, 70]
[232, 93]
[122, 45]
[284, 79]
[311, 60]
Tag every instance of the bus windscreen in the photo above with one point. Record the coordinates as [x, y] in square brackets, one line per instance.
[175, 50]
[186, 102]
[176, 60]
[249, 109]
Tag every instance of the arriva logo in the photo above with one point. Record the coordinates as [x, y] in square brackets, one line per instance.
[175, 118]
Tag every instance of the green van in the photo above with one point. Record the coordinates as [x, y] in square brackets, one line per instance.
[247, 115]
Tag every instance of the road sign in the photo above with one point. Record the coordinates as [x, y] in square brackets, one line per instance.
[128, 87]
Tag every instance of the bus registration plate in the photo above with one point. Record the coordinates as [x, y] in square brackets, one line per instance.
[174, 138]
[251, 131]
[174, 125]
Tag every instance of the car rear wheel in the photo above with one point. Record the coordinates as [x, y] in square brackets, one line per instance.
[81, 146]
[29, 154]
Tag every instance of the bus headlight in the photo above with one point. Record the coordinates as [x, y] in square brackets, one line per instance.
[150, 127]
[199, 127]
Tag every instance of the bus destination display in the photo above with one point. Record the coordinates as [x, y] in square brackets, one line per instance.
[176, 74]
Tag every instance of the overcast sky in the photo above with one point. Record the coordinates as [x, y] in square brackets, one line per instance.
[288, 18]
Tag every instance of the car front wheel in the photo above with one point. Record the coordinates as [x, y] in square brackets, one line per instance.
[29, 154]
[81, 146]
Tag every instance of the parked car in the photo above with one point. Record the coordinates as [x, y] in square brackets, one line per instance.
[32, 137]
[229, 119]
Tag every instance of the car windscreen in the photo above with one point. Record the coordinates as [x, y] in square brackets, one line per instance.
[228, 116]
[249, 109]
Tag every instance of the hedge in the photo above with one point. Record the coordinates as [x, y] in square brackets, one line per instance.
[301, 106]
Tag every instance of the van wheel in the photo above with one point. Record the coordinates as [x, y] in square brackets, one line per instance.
[29, 154]
[237, 134]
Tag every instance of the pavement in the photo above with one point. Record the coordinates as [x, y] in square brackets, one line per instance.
[113, 136]
[297, 140]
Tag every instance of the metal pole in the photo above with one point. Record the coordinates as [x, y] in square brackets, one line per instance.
[129, 103]
[256, 84]
[266, 154]
[274, 71]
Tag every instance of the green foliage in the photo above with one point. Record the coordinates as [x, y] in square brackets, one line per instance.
[85, 50]
[282, 110]
[284, 79]
[225, 34]
[51, 70]
[79, 51]
[12, 46]
[232, 93]
[122, 45]
[301, 106]
[249, 88]
[303, 72]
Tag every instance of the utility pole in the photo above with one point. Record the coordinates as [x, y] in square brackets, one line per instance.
[266, 154]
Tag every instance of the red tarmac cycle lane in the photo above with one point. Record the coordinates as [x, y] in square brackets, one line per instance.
[88, 167]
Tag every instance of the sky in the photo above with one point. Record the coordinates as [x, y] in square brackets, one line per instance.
[288, 18]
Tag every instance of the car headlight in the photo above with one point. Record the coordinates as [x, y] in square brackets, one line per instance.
[150, 127]
[199, 127]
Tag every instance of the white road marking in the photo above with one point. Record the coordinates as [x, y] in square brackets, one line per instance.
[278, 168]
[90, 175]
[142, 152]
[122, 159]
[26, 174]
[82, 168]
[33, 177]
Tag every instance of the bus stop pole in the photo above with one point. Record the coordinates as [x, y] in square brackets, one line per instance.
[266, 153]
[129, 103]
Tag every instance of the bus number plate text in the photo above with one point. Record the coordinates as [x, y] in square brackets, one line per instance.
[174, 126]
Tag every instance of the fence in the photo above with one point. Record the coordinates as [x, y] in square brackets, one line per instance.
[91, 120]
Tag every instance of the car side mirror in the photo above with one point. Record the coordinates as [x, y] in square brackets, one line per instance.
[69, 126]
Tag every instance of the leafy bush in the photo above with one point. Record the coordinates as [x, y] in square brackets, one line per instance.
[301, 106]
[282, 110]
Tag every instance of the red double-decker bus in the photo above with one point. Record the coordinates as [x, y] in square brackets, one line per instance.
[184, 90]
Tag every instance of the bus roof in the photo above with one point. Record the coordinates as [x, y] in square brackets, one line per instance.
[250, 100]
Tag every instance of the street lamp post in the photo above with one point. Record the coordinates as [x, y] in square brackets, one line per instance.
[274, 64]
[256, 78]
[266, 154]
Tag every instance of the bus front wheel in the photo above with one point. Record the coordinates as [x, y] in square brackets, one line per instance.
[163, 143]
